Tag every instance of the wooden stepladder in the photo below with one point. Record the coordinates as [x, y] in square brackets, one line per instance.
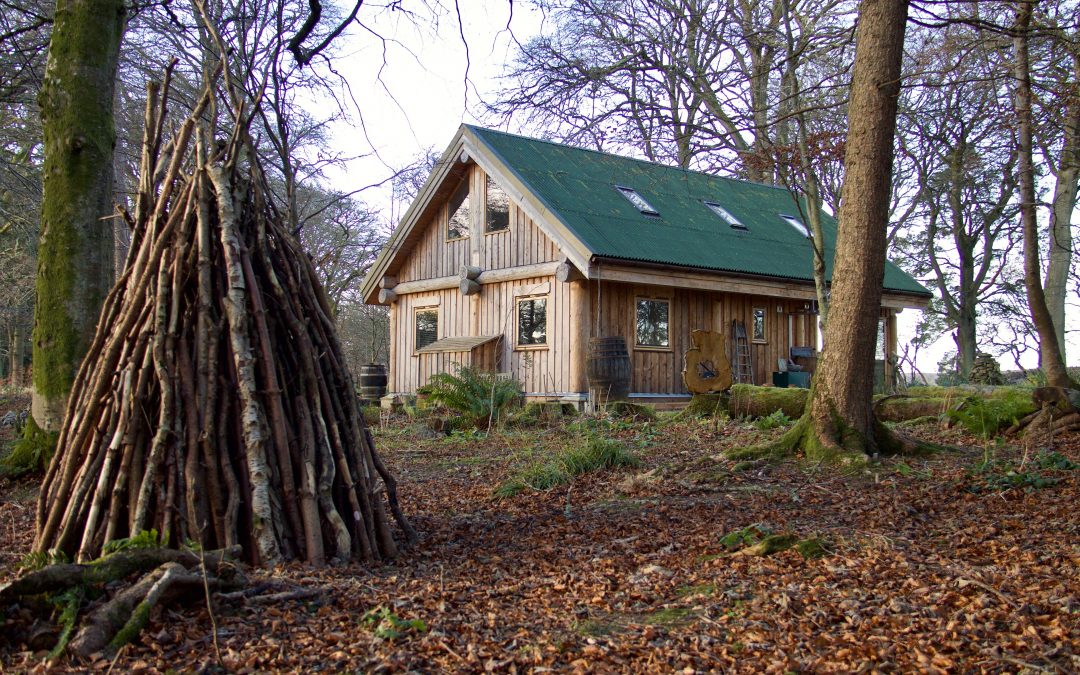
[742, 367]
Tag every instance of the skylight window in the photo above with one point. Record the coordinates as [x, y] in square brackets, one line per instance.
[797, 224]
[637, 200]
[725, 215]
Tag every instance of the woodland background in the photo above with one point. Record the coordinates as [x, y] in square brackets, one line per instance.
[755, 91]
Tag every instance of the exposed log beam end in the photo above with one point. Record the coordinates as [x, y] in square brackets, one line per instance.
[469, 287]
[387, 296]
[566, 272]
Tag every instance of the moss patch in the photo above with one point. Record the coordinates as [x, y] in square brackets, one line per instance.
[705, 405]
[986, 416]
[627, 410]
[750, 401]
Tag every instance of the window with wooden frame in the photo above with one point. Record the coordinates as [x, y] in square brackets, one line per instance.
[652, 323]
[532, 322]
[426, 323]
[458, 220]
[496, 209]
[758, 324]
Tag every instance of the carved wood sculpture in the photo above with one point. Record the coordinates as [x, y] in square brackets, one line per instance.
[706, 366]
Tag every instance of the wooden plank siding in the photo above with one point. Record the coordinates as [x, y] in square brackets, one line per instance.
[657, 371]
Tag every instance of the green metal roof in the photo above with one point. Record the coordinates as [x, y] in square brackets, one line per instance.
[579, 186]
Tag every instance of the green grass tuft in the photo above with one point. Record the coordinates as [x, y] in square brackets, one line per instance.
[597, 453]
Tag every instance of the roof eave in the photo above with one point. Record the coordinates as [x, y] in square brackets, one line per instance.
[892, 298]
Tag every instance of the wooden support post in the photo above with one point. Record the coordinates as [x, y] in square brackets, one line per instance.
[476, 203]
[580, 311]
[391, 356]
[890, 349]
[474, 314]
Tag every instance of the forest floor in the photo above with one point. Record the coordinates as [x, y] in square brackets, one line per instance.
[966, 561]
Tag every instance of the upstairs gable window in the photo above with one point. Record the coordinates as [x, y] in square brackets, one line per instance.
[725, 215]
[532, 322]
[496, 208]
[458, 223]
[637, 200]
[797, 224]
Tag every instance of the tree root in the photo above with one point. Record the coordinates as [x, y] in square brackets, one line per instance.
[834, 444]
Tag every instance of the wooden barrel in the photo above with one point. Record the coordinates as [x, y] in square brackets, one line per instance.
[372, 381]
[608, 368]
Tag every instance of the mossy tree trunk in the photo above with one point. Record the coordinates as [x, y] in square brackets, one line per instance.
[840, 418]
[75, 261]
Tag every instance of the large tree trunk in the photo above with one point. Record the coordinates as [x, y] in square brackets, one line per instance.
[1065, 189]
[1049, 348]
[75, 252]
[840, 418]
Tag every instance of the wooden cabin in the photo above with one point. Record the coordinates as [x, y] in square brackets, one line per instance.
[518, 251]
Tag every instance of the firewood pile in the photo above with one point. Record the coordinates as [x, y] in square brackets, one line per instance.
[215, 406]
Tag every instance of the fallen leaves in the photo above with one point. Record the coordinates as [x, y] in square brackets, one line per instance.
[627, 570]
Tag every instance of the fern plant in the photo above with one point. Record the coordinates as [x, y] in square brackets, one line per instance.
[477, 396]
[31, 451]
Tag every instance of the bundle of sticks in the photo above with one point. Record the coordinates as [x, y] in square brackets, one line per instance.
[214, 404]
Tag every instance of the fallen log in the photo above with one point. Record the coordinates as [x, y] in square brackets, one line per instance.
[121, 619]
[750, 401]
[146, 578]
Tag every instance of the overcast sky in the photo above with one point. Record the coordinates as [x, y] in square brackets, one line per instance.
[417, 77]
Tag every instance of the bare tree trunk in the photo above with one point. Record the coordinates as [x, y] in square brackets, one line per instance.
[1049, 349]
[75, 264]
[1059, 255]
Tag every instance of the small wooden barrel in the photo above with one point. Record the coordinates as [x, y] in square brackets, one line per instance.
[608, 368]
[372, 381]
